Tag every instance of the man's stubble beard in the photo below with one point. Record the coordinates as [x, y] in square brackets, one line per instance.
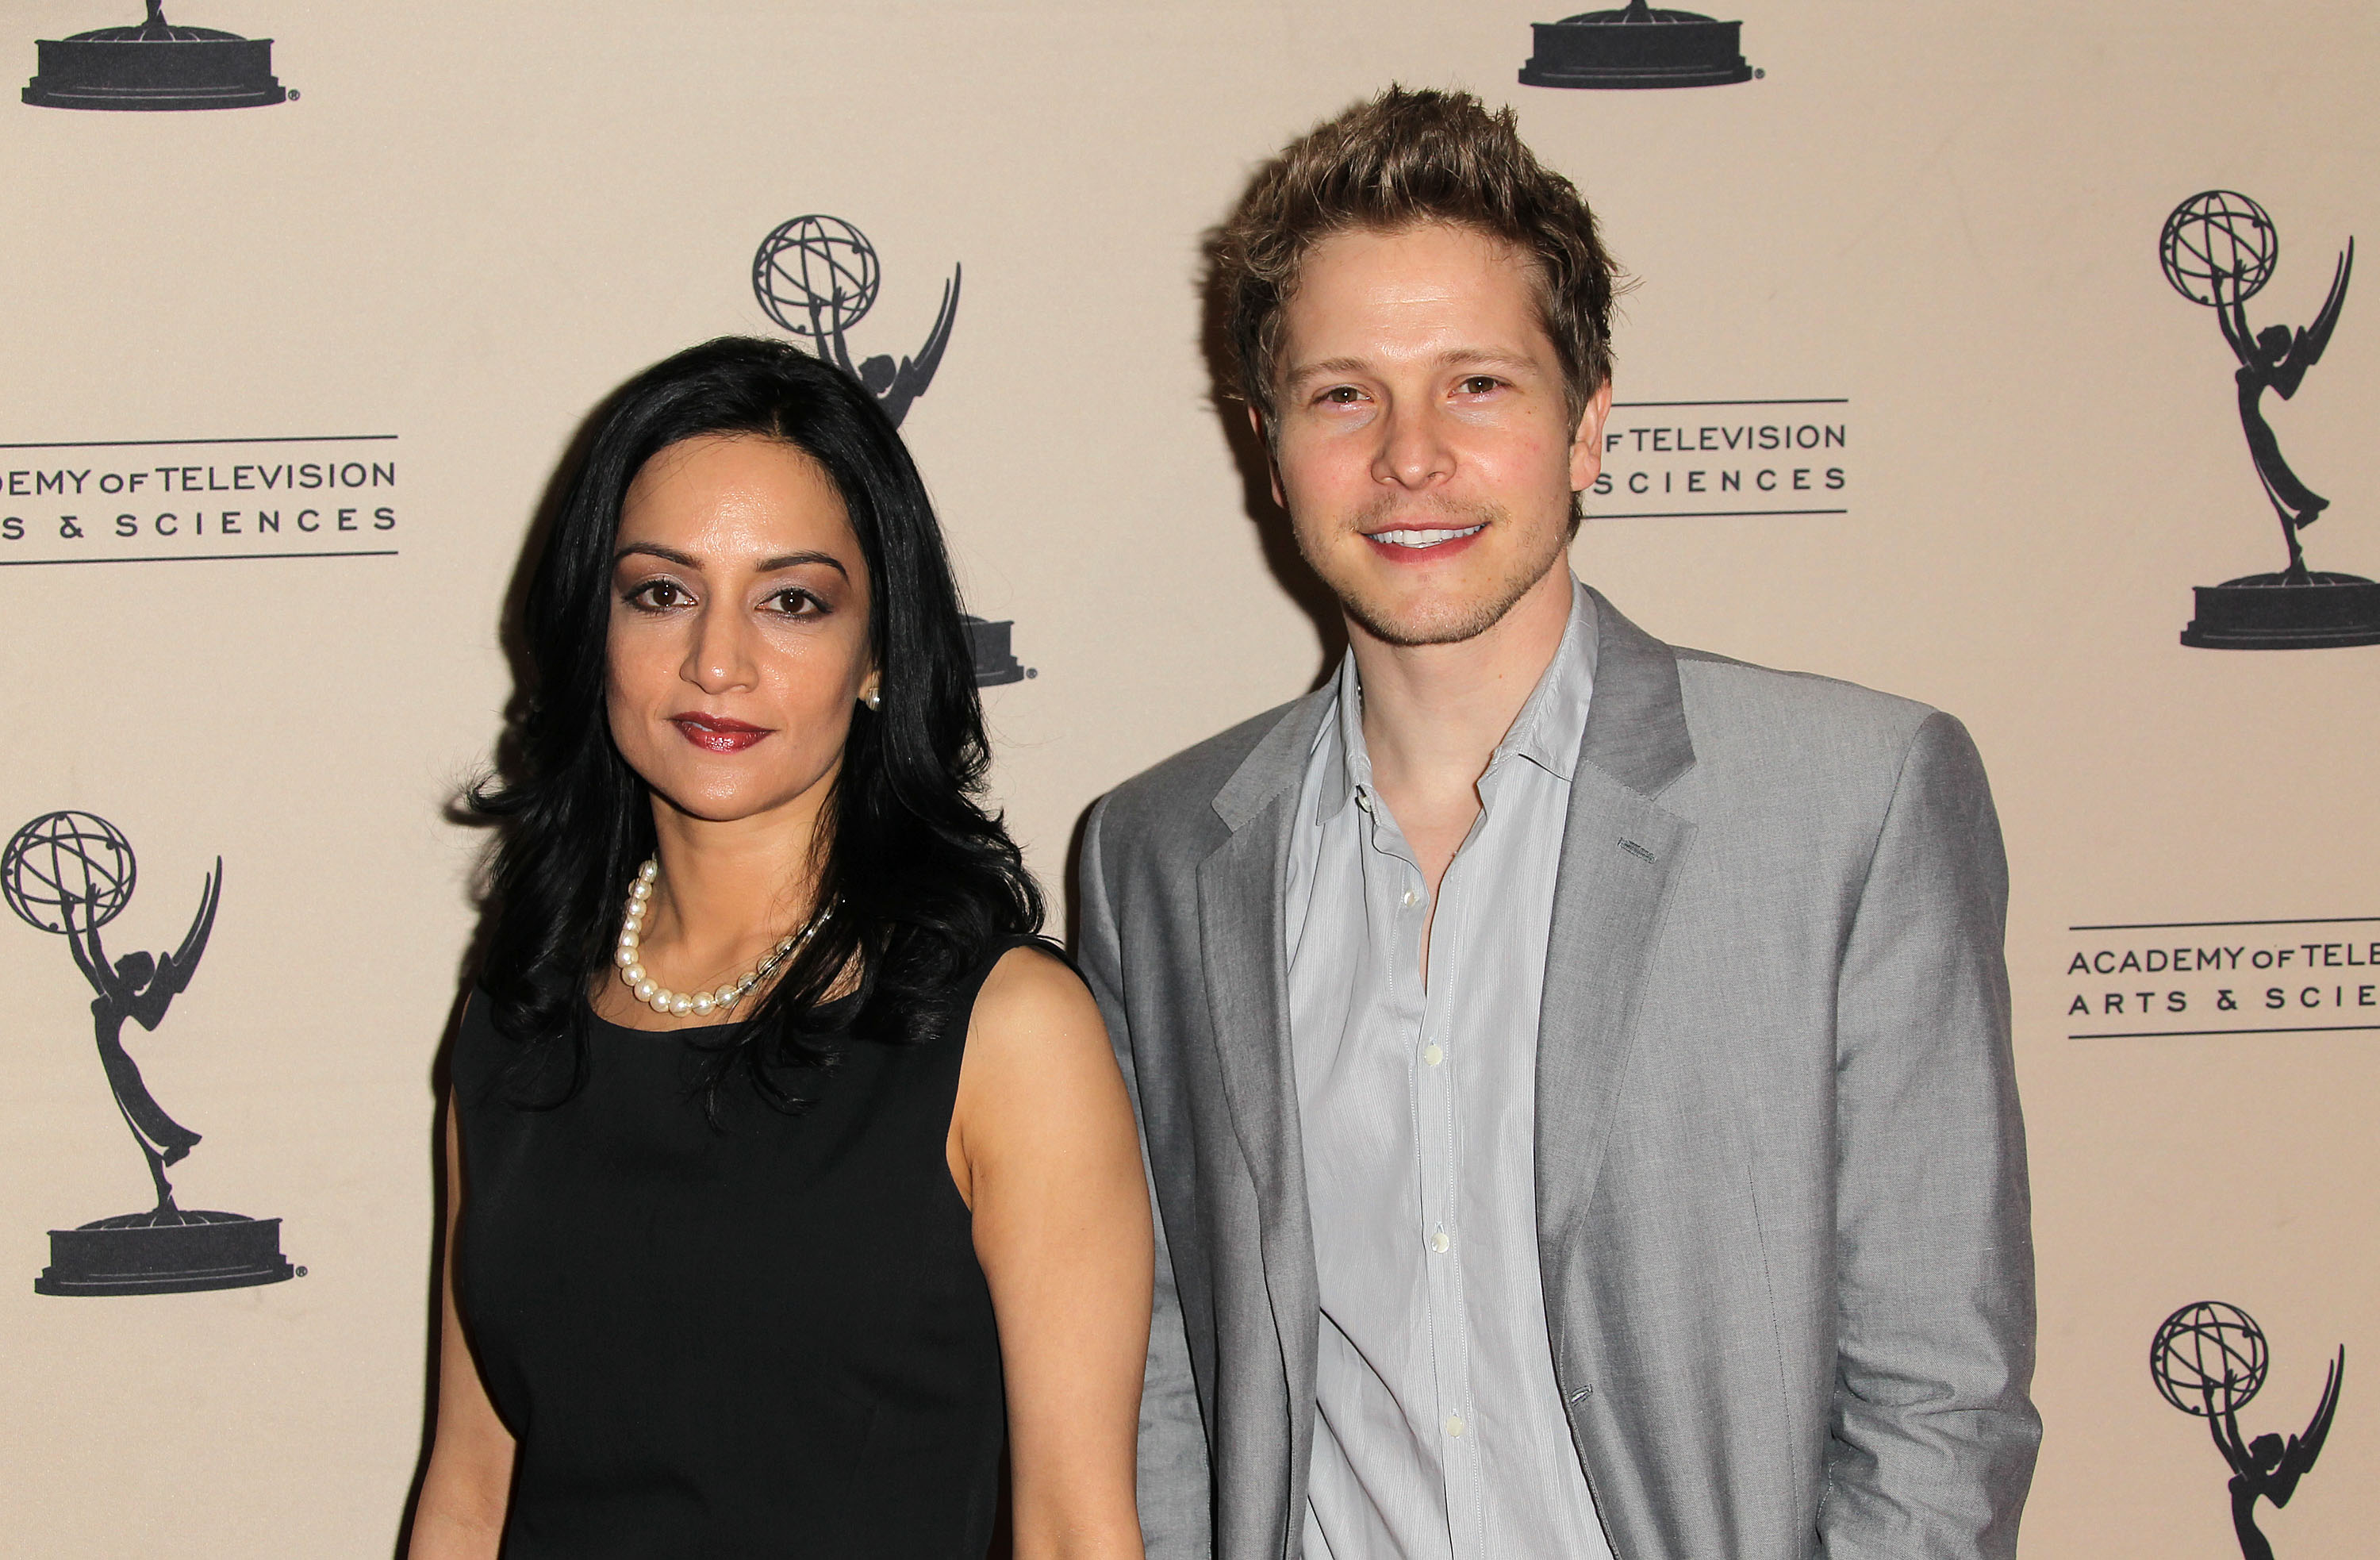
[1443, 622]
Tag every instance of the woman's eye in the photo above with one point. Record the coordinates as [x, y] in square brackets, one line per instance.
[796, 603]
[659, 594]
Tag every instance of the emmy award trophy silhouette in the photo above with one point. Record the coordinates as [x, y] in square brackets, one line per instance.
[155, 65]
[2218, 250]
[71, 873]
[2208, 1359]
[818, 276]
[1636, 46]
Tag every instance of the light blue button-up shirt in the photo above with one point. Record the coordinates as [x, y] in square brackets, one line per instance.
[1439, 1428]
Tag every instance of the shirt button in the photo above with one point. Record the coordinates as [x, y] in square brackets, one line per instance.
[1413, 898]
[1454, 1424]
[1438, 1242]
[1432, 1055]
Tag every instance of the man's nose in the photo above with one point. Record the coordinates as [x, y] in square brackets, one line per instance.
[1414, 452]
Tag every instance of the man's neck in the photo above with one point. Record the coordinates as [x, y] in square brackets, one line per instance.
[1433, 715]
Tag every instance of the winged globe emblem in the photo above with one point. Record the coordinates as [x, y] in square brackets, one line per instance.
[2208, 1359]
[71, 874]
[817, 276]
[2218, 249]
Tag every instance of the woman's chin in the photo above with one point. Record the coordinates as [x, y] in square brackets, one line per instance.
[717, 803]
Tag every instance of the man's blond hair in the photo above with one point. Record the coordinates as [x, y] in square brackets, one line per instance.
[1398, 161]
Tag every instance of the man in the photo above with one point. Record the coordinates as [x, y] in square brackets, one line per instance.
[1574, 1071]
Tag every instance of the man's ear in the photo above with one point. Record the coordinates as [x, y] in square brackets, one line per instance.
[1273, 464]
[1586, 440]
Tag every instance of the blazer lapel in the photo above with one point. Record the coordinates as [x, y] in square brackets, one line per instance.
[1242, 890]
[1619, 854]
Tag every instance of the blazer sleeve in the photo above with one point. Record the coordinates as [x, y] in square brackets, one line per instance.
[1176, 1506]
[1932, 1434]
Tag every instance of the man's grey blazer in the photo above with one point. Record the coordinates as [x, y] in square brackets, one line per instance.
[1782, 1219]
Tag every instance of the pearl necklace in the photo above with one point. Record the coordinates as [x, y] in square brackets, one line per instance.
[700, 1004]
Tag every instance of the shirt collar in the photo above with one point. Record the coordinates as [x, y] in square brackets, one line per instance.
[1551, 725]
[1547, 732]
[1347, 763]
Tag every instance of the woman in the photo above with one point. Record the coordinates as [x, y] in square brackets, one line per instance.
[788, 1172]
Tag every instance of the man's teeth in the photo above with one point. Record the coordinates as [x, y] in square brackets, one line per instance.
[1424, 538]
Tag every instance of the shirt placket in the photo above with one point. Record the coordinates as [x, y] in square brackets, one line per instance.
[1401, 904]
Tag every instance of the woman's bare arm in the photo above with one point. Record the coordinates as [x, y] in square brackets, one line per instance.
[460, 1515]
[1042, 1147]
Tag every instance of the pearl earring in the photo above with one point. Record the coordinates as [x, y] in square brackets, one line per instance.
[873, 698]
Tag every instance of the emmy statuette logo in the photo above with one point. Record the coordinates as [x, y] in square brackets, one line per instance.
[2208, 1359]
[71, 874]
[818, 276]
[2218, 250]
[1637, 46]
[155, 67]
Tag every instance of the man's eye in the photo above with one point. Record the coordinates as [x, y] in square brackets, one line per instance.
[1478, 384]
[1343, 394]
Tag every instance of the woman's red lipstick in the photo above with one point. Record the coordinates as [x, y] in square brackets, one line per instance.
[717, 733]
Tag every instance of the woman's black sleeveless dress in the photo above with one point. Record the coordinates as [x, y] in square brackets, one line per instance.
[768, 1338]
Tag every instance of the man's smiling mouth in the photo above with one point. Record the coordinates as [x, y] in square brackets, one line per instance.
[1418, 538]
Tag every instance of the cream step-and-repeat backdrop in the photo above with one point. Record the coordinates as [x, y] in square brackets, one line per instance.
[1907, 398]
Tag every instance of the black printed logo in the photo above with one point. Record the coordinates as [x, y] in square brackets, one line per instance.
[71, 874]
[2208, 1359]
[2218, 250]
[818, 276]
[1637, 46]
[155, 65]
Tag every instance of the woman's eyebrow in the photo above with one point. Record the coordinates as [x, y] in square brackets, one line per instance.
[796, 560]
[654, 549]
[767, 566]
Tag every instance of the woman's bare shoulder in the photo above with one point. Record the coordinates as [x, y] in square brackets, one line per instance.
[1037, 1033]
[1029, 985]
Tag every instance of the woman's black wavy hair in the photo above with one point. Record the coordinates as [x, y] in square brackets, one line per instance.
[923, 880]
